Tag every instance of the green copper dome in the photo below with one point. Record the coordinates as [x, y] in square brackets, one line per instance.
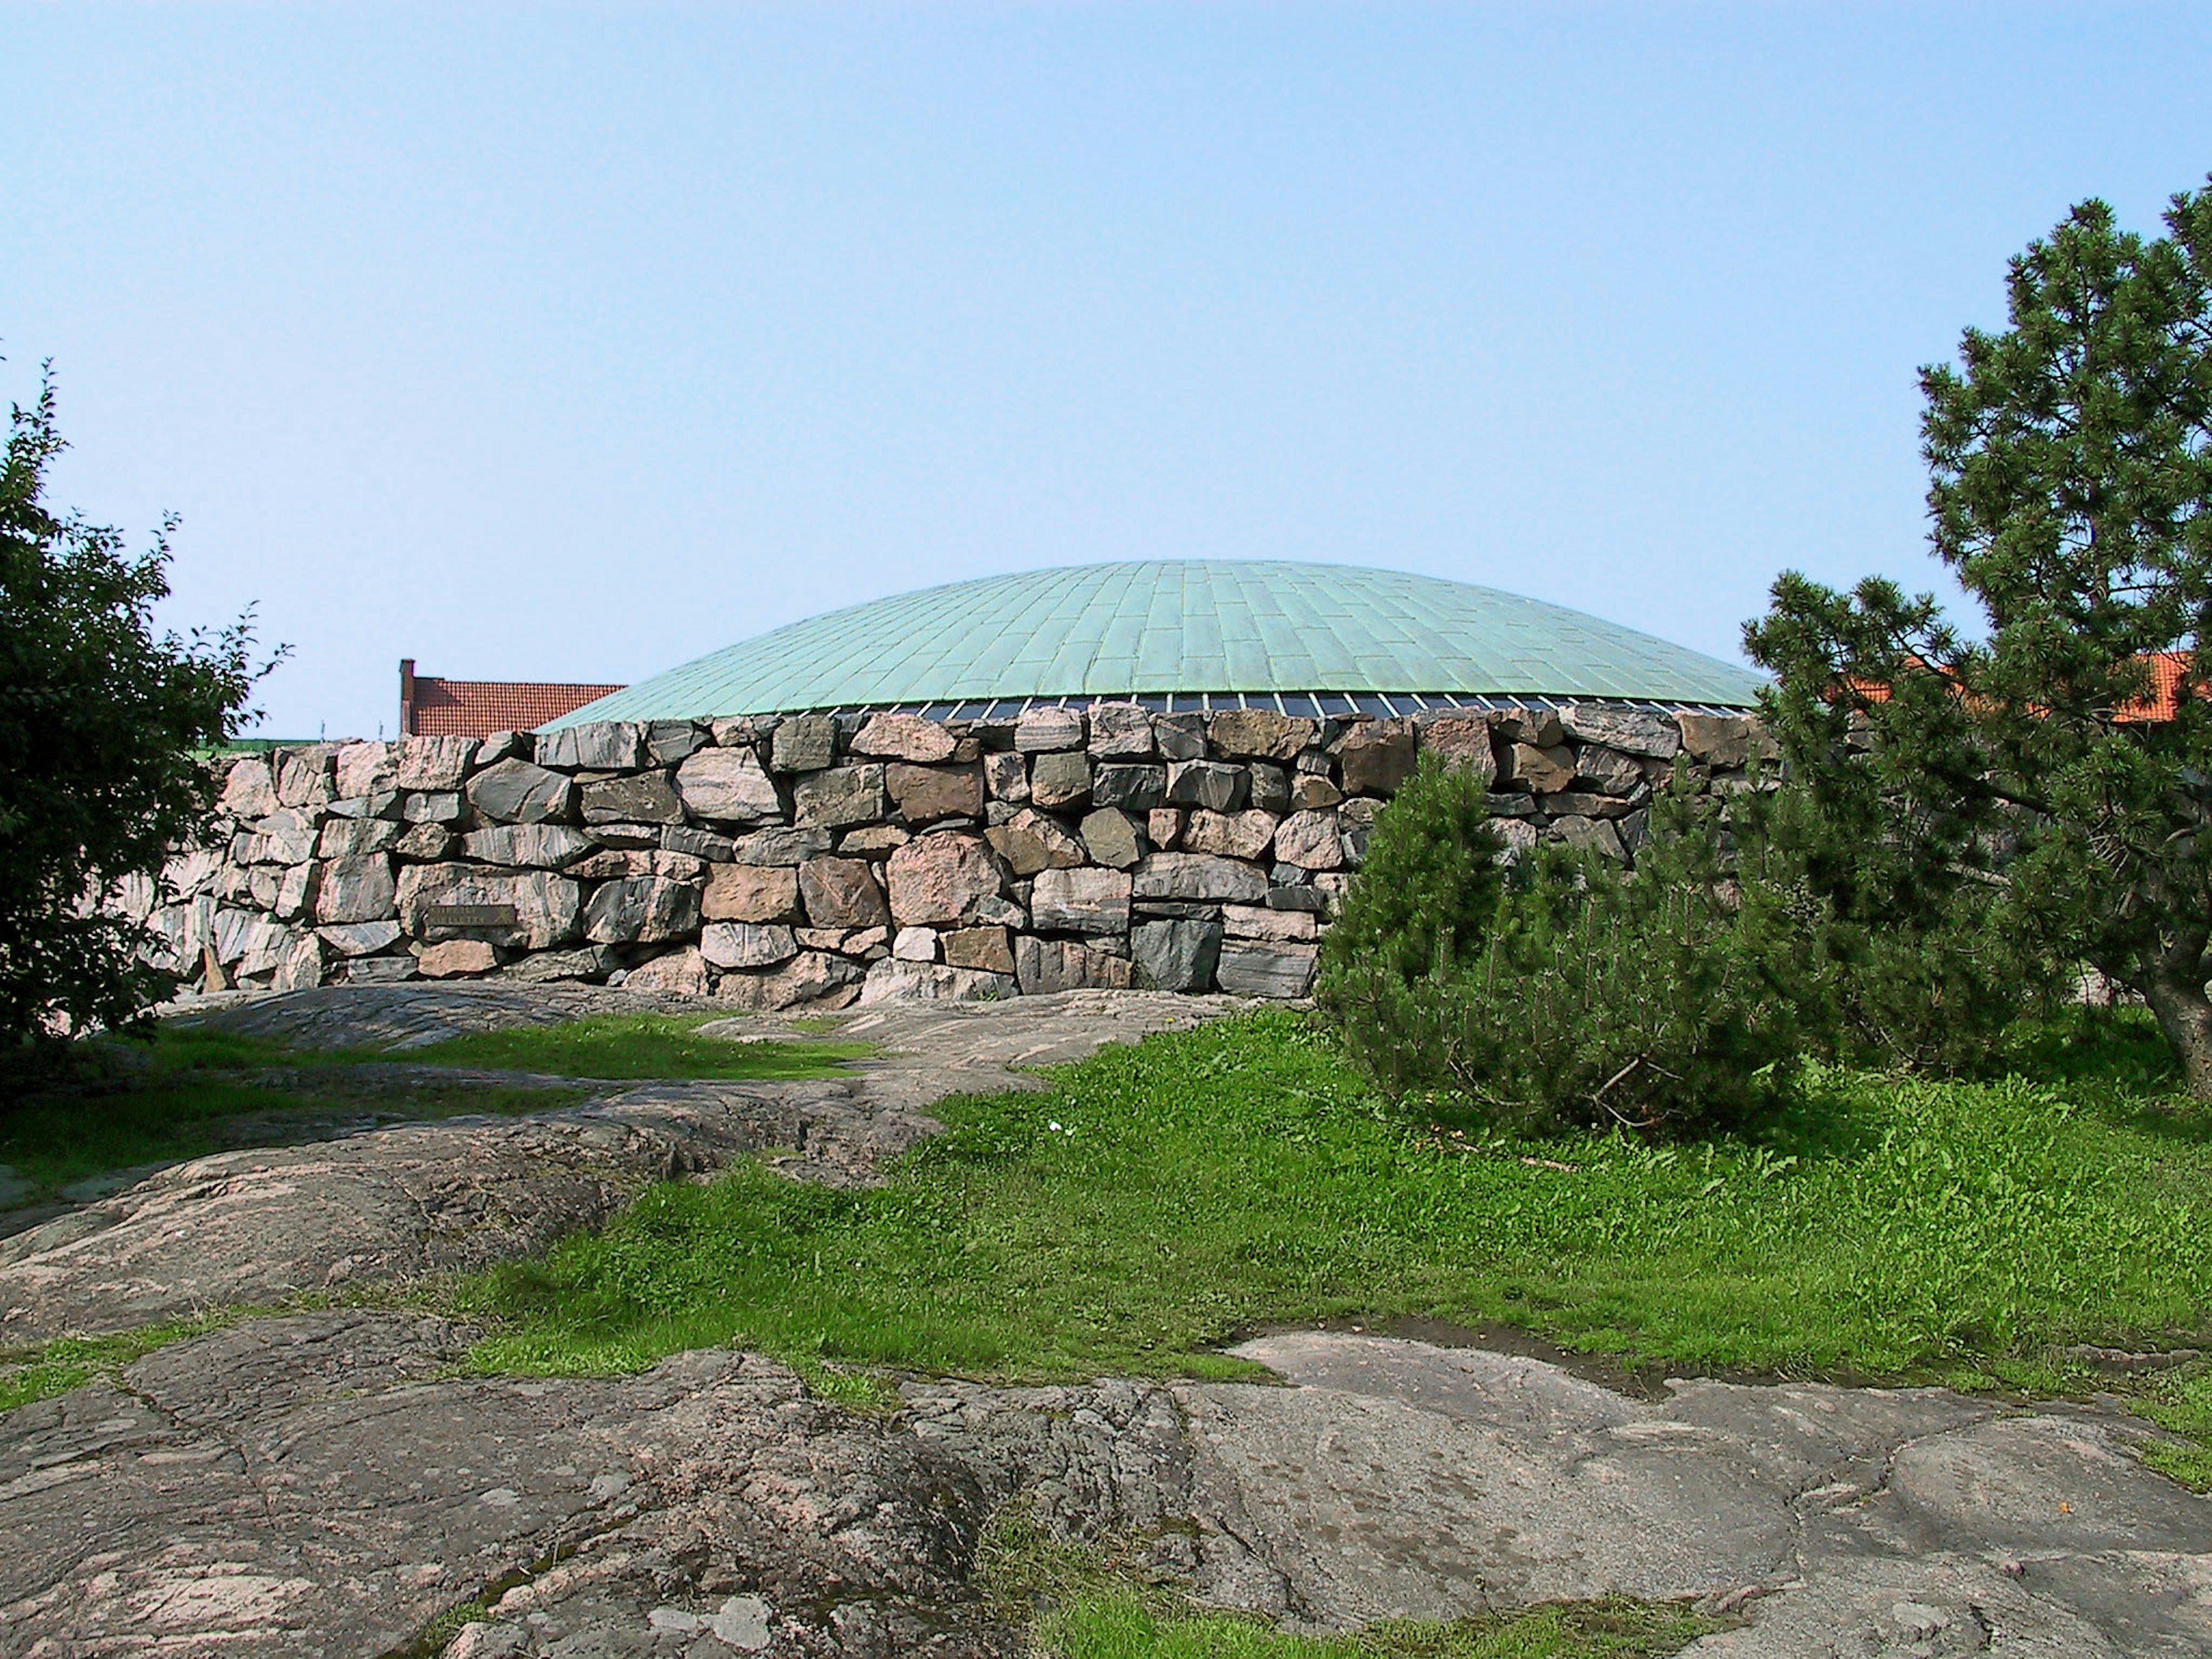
[1186, 636]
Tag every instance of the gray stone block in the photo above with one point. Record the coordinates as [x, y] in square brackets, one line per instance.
[1250, 968]
[1080, 901]
[517, 791]
[1196, 877]
[1133, 787]
[528, 846]
[1045, 965]
[727, 785]
[1045, 731]
[805, 743]
[1060, 779]
[1175, 956]
[640, 798]
[641, 910]
[746, 943]
[841, 796]
[1111, 839]
[595, 745]
[1214, 785]
[1634, 730]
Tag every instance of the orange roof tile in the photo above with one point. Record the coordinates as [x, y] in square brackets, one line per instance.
[476, 708]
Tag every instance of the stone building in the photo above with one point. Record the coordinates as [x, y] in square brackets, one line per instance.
[1157, 773]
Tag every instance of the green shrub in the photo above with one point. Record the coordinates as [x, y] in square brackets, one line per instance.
[1426, 895]
[1660, 1001]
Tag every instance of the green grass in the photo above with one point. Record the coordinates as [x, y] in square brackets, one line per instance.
[52, 1368]
[1161, 1199]
[1098, 1601]
[1121, 1628]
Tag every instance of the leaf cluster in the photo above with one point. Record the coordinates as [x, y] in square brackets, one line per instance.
[100, 718]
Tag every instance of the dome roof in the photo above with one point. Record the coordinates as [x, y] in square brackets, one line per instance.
[1184, 634]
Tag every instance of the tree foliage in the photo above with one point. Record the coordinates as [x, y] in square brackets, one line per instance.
[100, 720]
[1430, 878]
[2013, 774]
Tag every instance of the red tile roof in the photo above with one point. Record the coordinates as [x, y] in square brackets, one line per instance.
[476, 708]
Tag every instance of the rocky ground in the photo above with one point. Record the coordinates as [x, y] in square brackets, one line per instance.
[323, 1484]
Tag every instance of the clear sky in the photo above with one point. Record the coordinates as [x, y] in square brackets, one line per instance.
[569, 343]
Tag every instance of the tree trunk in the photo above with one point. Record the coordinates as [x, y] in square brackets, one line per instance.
[2176, 997]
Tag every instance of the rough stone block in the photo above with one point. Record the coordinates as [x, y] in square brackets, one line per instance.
[593, 964]
[359, 889]
[751, 892]
[1592, 834]
[1180, 736]
[640, 798]
[347, 837]
[286, 836]
[1121, 729]
[895, 981]
[780, 845]
[1518, 837]
[249, 789]
[1377, 757]
[727, 785]
[1580, 804]
[941, 878]
[1244, 834]
[365, 768]
[916, 944]
[1045, 965]
[1007, 776]
[1259, 734]
[1197, 878]
[872, 839]
[593, 746]
[1541, 770]
[1271, 787]
[1029, 842]
[426, 843]
[443, 807]
[1111, 839]
[703, 844]
[985, 949]
[1267, 922]
[1608, 770]
[903, 738]
[304, 776]
[805, 743]
[667, 742]
[1355, 821]
[295, 892]
[1061, 778]
[1135, 788]
[456, 958]
[681, 973]
[1163, 826]
[840, 892]
[384, 804]
[1634, 730]
[1175, 956]
[1462, 742]
[1215, 785]
[1719, 740]
[1254, 967]
[1080, 901]
[1310, 792]
[375, 970]
[926, 793]
[841, 796]
[1046, 731]
[746, 943]
[1311, 840]
[815, 979]
[546, 906]
[434, 764]
[641, 910]
[1539, 728]
[1296, 898]
[517, 791]
[528, 846]
[360, 938]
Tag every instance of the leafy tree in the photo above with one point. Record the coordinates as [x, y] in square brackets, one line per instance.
[99, 719]
[2015, 774]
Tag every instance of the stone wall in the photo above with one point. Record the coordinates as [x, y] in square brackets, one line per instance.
[812, 859]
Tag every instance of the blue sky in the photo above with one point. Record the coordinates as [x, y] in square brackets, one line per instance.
[571, 343]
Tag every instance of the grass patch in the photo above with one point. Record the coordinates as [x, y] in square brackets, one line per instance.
[1098, 1601]
[70, 1362]
[1158, 1200]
